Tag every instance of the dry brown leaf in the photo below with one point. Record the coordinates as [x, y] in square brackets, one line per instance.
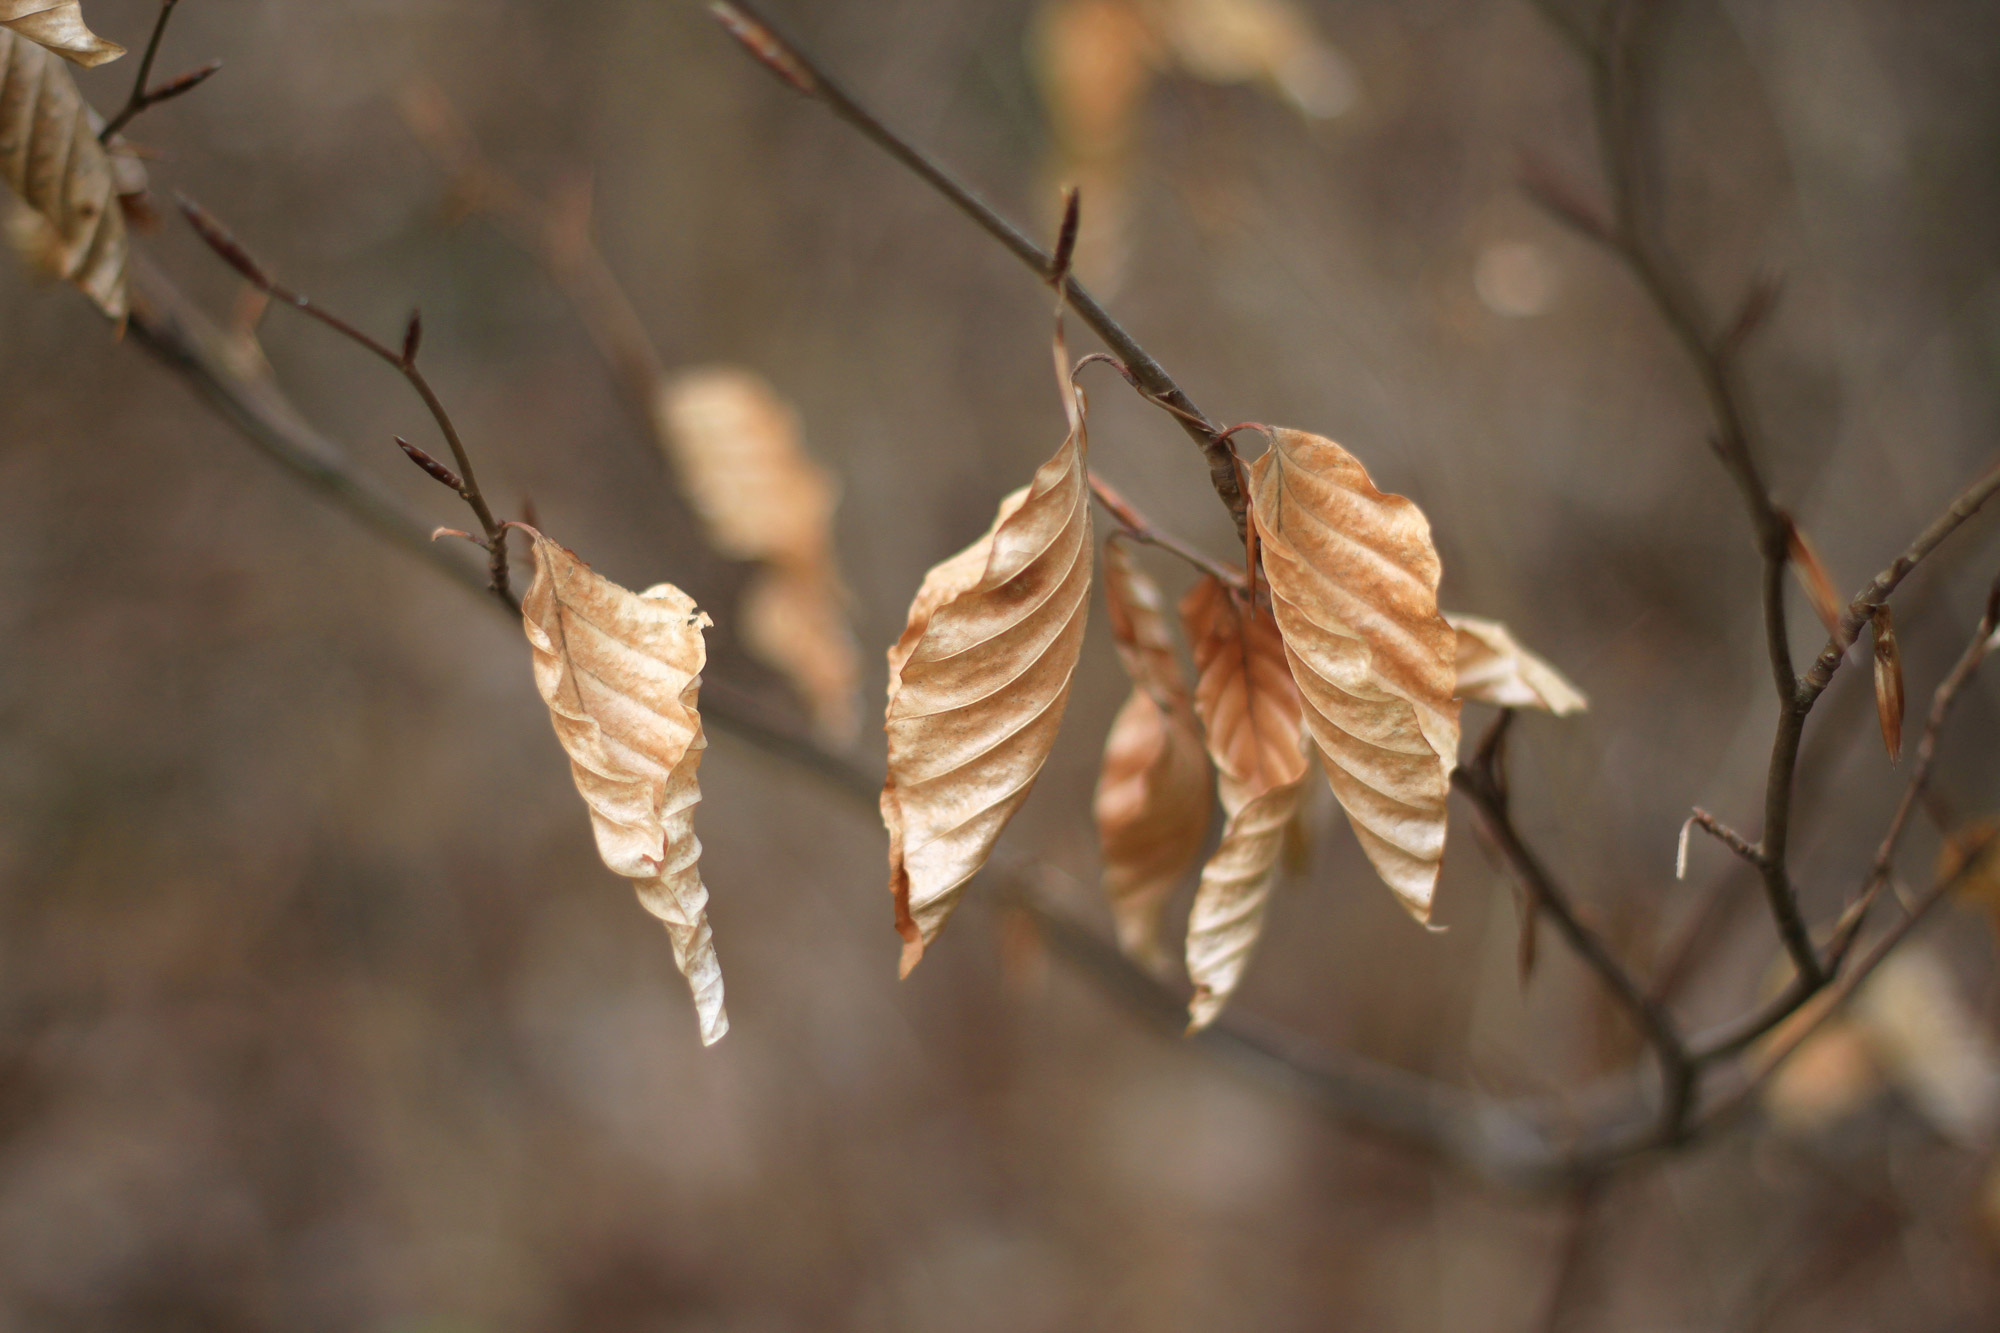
[1251, 717]
[1152, 795]
[1354, 578]
[621, 674]
[1493, 668]
[1813, 577]
[50, 155]
[737, 448]
[977, 686]
[1888, 683]
[58, 25]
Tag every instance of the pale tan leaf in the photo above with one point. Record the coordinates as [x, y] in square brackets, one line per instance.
[977, 687]
[1888, 683]
[1493, 668]
[621, 674]
[739, 453]
[1828, 1078]
[58, 25]
[1251, 718]
[1152, 794]
[1271, 42]
[1354, 578]
[1932, 1045]
[791, 619]
[50, 155]
[1094, 61]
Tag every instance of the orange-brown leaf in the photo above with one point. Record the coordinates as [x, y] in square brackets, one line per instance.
[1888, 683]
[1493, 668]
[1251, 716]
[50, 155]
[977, 687]
[1354, 578]
[1152, 794]
[59, 26]
[1813, 576]
[621, 674]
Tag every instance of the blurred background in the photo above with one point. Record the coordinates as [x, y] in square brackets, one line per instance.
[317, 1009]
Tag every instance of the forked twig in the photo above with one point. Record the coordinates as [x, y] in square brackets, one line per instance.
[143, 98]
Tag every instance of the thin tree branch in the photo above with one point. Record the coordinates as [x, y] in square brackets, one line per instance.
[784, 58]
[143, 98]
[1482, 785]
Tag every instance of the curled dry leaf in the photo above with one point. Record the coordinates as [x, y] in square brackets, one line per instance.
[621, 672]
[59, 26]
[1354, 579]
[50, 155]
[1251, 719]
[1152, 795]
[1493, 668]
[1888, 683]
[977, 686]
[737, 449]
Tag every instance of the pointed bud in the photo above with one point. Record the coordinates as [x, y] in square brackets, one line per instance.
[438, 471]
[1888, 683]
[413, 337]
[1813, 576]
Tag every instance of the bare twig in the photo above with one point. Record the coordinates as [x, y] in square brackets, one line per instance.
[404, 361]
[785, 59]
[143, 98]
[1141, 529]
[1727, 836]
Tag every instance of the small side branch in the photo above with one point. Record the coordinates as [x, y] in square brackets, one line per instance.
[1141, 529]
[144, 98]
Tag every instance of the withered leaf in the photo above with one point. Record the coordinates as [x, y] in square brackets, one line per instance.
[1888, 683]
[58, 25]
[1354, 579]
[621, 674]
[739, 453]
[50, 155]
[1493, 668]
[977, 687]
[1251, 718]
[1152, 795]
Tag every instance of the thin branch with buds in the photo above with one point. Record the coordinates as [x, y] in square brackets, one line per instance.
[403, 360]
[144, 98]
[799, 70]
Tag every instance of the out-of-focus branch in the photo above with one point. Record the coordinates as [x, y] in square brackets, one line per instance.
[790, 63]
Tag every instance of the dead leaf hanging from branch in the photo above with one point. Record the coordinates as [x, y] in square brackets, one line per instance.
[1152, 794]
[621, 674]
[737, 449]
[1354, 581]
[1251, 719]
[59, 26]
[50, 155]
[1493, 668]
[977, 686]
